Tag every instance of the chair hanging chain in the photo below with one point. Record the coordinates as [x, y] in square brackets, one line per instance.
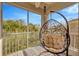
[44, 10]
[50, 15]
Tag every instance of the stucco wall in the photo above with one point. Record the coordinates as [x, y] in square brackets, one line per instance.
[0, 33]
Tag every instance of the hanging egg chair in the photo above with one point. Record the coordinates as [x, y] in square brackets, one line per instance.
[54, 36]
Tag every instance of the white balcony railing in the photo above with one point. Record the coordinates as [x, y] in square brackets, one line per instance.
[13, 42]
[73, 49]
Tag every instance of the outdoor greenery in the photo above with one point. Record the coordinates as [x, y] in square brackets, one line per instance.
[18, 26]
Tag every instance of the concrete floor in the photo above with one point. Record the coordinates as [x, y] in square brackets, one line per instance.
[34, 51]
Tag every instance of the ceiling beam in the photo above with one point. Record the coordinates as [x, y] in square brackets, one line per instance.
[31, 7]
[27, 6]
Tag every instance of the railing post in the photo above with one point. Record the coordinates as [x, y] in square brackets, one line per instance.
[0, 28]
[27, 28]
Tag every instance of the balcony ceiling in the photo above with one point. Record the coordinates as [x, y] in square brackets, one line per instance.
[50, 6]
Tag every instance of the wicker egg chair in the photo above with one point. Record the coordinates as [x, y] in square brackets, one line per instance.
[54, 36]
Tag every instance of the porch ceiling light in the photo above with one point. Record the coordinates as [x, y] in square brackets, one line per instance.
[37, 4]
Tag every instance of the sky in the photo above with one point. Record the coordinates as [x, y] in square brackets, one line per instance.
[14, 13]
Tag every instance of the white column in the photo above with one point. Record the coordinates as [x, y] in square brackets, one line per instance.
[78, 35]
[78, 39]
[44, 18]
[0, 31]
[0, 47]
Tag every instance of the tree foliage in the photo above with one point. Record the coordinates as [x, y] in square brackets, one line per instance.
[18, 26]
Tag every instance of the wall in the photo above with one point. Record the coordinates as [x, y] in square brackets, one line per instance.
[0, 33]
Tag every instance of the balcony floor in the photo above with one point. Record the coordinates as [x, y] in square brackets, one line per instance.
[34, 51]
